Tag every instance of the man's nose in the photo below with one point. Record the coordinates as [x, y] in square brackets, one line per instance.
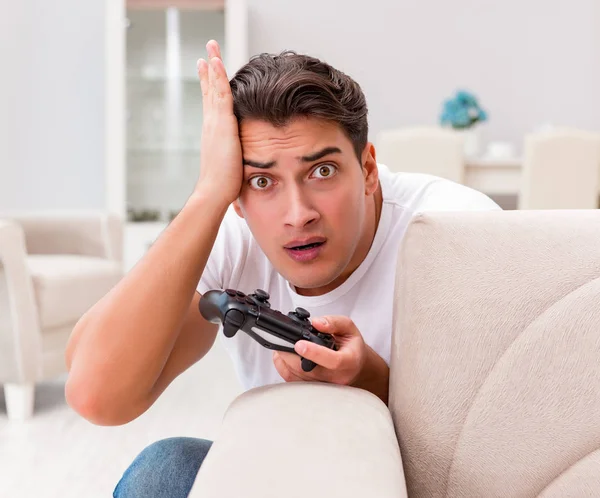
[300, 210]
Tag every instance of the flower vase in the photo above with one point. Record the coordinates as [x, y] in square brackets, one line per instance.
[472, 141]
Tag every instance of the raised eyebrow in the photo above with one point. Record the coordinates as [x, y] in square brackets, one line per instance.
[322, 153]
[307, 159]
[257, 164]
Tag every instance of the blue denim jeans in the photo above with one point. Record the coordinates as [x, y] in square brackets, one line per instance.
[165, 469]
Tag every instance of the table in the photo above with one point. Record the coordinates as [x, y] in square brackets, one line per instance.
[494, 176]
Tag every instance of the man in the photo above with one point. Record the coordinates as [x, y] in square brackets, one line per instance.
[289, 199]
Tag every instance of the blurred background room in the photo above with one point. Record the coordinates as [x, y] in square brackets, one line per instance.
[99, 149]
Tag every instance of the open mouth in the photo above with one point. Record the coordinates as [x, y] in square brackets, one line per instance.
[303, 253]
[306, 247]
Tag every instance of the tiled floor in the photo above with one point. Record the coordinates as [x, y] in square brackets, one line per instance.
[58, 454]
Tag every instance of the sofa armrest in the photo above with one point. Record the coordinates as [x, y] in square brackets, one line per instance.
[87, 233]
[304, 439]
[19, 328]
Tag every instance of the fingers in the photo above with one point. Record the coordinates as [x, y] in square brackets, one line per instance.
[321, 355]
[213, 49]
[284, 370]
[348, 340]
[215, 88]
[212, 79]
[220, 84]
[203, 75]
[335, 324]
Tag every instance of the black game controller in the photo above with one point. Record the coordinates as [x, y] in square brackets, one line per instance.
[253, 314]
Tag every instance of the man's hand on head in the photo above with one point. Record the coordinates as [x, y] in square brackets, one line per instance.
[353, 364]
[221, 170]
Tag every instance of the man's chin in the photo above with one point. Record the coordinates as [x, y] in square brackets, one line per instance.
[313, 284]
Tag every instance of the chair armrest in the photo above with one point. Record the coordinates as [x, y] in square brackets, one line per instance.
[304, 439]
[20, 346]
[88, 233]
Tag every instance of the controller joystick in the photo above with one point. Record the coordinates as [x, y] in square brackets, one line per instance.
[261, 295]
[300, 315]
[259, 298]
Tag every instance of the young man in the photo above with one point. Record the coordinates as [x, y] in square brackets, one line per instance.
[290, 199]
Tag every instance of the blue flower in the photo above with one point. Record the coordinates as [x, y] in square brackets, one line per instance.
[462, 111]
[466, 99]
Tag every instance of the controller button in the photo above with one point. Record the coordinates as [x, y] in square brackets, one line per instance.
[262, 295]
[249, 300]
[306, 335]
[302, 313]
[240, 293]
[230, 292]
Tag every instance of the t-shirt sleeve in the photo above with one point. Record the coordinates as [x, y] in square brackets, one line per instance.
[445, 195]
[228, 256]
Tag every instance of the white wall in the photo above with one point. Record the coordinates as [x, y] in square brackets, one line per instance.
[52, 105]
[10, 74]
[529, 61]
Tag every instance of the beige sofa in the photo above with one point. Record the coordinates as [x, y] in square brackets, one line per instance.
[494, 387]
[53, 268]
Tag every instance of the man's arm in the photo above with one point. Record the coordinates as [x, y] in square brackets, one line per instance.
[147, 330]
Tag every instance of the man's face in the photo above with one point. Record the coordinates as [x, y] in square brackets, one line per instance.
[307, 200]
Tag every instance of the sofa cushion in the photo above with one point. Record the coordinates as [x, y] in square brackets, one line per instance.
[304, 439]
[494, 383]
[66, 286]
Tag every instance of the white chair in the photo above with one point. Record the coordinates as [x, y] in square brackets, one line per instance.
[431, 150]
[53, 268]
[561, 170]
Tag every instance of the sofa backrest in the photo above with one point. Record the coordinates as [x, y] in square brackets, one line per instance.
[495, 369]
[89, 233]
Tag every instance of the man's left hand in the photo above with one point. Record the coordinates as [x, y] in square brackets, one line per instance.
[353, 364]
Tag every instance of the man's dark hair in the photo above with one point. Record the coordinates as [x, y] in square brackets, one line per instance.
[278, 88]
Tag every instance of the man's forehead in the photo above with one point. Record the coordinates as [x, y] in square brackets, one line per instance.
[298, 139]
[252, 129]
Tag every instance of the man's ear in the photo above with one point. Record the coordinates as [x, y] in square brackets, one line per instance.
[370, 171]
[237, 208]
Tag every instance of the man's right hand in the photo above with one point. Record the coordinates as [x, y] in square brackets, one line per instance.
[221, 168]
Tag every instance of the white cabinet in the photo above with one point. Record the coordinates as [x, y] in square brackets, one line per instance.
[164, 104]
[154, 100]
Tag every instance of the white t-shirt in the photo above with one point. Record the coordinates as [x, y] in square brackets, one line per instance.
[237, 262]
